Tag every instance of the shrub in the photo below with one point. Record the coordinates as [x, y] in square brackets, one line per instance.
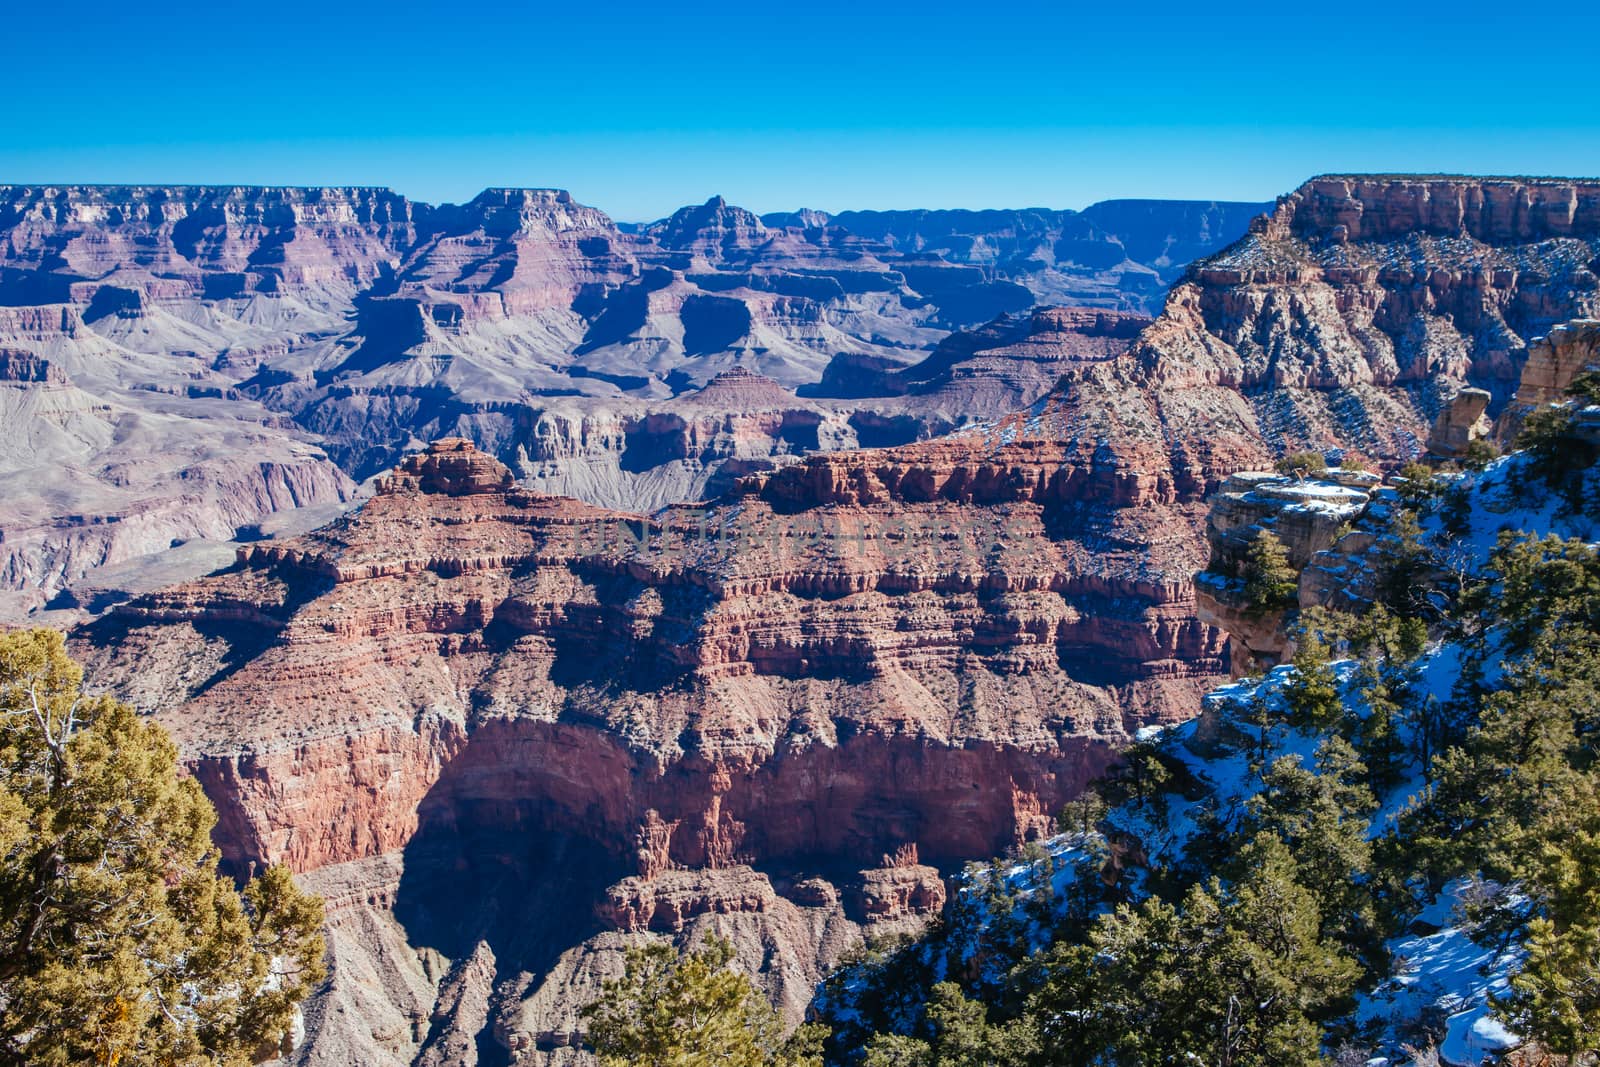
[1308, 464]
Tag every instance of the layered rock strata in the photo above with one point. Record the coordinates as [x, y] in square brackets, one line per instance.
[350, 324]
[919, 653]
[1359, 305]
[452, 703]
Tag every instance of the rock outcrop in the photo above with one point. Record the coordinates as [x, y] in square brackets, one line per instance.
[1353, 310]
[452, 466]
[1307, 516]
[1000, 367]
[96, 477]
[1461, 421]
[1554, 362]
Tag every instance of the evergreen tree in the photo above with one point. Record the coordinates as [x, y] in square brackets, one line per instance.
[1405, 567]
[1270, 583]
[1555, 998]
[960, 1035]
[1311, 695]
[691, 1010]
[1303, 464]
[1321, 817]
[1418, 487]
[119, 944]
[1377, 735]
[1237, 976]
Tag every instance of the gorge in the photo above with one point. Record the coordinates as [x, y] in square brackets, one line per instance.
[325, 332]
[506, 731]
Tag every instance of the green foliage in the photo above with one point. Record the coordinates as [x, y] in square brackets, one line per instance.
[1585, 388]
[1234, 975]
[1312, 694]
[119, 944]
[1307, 464]
[1405, 566]
[1556, 996]
[1083, 815]
[1479, 454]
[1543, 431]
[1543, 586]
[690, 1010]
[1418, 486]
[1320, 816]
[1270, 583]
[959, 1034]
[1377, 735]
[1533, 738]
[1556, 455]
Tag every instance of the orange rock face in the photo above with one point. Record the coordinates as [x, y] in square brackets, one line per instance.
[709, 686]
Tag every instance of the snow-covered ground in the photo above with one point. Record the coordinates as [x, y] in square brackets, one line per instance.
[1439, 971]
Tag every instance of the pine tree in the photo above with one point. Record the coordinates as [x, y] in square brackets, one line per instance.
[691, 1010]
[1308, 464]
[1270, 583]
[119, 944]
[1312, 693]
[1405, 566]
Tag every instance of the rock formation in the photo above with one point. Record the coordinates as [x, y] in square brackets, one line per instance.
[1000, 367]
[350, 324]
[507, 731]
[1554, 361]
[1307, 515]
[1461, 421]
[918, 653]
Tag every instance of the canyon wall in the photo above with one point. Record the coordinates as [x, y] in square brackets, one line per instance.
[510, 732]
[338, 328]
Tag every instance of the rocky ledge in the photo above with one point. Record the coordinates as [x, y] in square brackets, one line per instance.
[1306, 515]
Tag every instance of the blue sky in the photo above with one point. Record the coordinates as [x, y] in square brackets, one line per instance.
[639, 108]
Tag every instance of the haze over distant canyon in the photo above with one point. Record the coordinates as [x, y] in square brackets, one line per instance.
[186, 366]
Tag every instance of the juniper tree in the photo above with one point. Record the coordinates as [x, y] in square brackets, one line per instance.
[1270, 583]
[691, 1010]
[119, 942]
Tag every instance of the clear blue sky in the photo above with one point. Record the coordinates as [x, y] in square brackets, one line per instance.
[639, 108]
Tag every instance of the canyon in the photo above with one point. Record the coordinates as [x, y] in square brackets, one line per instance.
[507, 731]
[325, 332]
